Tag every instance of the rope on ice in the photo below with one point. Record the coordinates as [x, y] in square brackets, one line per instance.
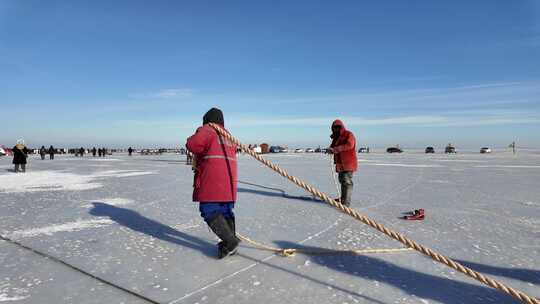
[396, 236]
[288, 252]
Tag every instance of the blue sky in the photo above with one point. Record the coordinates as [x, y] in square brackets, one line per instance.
[143, 73]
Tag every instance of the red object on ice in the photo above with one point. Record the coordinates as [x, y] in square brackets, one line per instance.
[418, 215]
[7, 150]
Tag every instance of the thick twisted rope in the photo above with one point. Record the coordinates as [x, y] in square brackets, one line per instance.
[396, 236]
[288, 252]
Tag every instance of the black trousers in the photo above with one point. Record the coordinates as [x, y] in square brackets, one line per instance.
[345, 179]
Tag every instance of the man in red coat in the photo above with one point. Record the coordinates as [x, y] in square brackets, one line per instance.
[344, 149]
[215, 180]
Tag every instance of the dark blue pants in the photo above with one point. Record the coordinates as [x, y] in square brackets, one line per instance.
[209, 210]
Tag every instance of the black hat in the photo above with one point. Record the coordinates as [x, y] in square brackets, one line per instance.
[214, 115]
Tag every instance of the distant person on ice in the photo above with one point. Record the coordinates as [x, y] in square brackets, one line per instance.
[20, 154]
[130, 151]
[42, 152]
[215, 180]
[94, 151]
[51, 152]
[189, 158]
[344, 149]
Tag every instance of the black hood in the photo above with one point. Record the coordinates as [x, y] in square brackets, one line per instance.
[341, 125]
[214, 115]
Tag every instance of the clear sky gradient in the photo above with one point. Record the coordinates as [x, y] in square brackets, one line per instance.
[142, 73]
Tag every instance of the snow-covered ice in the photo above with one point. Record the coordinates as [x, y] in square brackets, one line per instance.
[48, 180]
[132, 222]
[65, 227]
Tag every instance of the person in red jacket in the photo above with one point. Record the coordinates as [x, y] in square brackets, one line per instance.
[215, 182]
[344, 149]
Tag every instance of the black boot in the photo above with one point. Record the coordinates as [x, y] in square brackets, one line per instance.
[345, 195]
[346, 188]
[220, 227]
[232, 224]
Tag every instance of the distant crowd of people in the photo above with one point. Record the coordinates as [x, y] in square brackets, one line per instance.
[43, 151]
[20, 154]
[99, 152]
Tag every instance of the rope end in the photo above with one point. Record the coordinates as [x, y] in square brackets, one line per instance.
[288, 252]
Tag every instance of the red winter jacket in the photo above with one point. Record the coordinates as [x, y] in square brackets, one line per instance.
[216, 174]
[344, 149]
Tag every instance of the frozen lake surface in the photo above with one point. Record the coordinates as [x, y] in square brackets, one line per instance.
[131, 221]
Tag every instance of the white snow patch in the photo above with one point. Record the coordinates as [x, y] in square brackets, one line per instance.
[122, 173]
[509, 166]
[59, 181]
[461, 160]
[105, 159]
[405, 165]
[17, 294]
[118, 201]
[45, 181]
[5, 298]
[439, 181]
[530, 204]
[66, 227]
